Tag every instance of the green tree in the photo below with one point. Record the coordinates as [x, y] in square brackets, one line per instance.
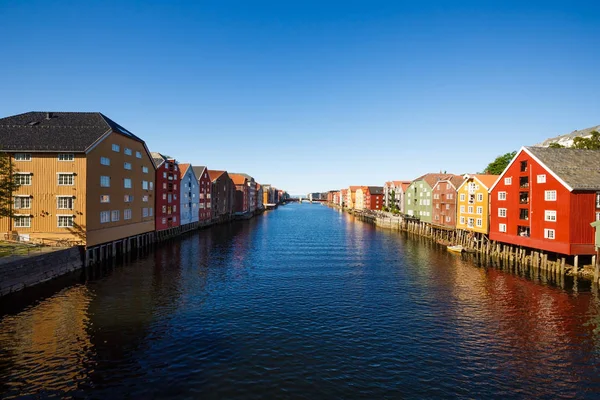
[589, 143]
[556, 146]
[497, 166]
[8, 185]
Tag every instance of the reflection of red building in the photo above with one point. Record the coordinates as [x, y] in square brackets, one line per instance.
[166, 188]
[204, 184]
[546, 198]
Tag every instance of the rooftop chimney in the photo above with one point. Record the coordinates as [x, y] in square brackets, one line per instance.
[48, 115]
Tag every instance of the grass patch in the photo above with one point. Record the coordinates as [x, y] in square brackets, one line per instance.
[16, 249]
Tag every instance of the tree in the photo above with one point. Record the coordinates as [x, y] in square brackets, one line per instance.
[589, 143]
[556, 146]
[8, 185]
[497, 166]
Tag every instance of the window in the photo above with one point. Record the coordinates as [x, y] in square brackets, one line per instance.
[523, 166]
[151, 211]
[502, 212]
[127, 165]
[174, 219]
[447, 206]
[174, 208]
[479, 210]
[164, 220]
[104, 160]
[462, 209]
[164, 209]
[164, 174]
[524, 213]
[450, 196]
[138, 154]
[502, 227]
[550, 195]
[127, 151]
[127, 213]
[541, 178]
[598, 216]
[23, 179]
[65, 221]
[145, 198]
[462, 197]
[470, 209]
[598, 200]
[66, 179]
[145, 185]
[550, 215]
[508, 181]
[145, 170]
[115, 215]
[22, 221]
[64, 202]
[22, 202]
[164, 196]
[104, 217]
[145, 212]
[549, 233]
[105, 181]
[462, 220]
[479, 197]
[127, 183]
[524, 182]
[128, 198]
[23, 157]
[116, 147]
[479, 222]
[447, 219]
[151, 185]
[501, 195]
[66, 157]
[104, 198]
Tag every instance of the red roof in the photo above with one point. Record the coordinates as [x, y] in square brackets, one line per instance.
[183, 169]
[487, 180]
[238, 179]
[214, 174]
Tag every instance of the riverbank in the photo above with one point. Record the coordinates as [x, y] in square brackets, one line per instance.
[486, 251]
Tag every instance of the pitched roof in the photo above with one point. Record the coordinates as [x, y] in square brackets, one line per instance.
[399, 183]
[238, 179]
[57, 131]
[214, 174]
[405, 185]
[198, 170]
[354, 188]
[244, 175]
[183, 169]
[433, 178]
[375, 189]
[487, 180]
[158, 158]
[578, 169]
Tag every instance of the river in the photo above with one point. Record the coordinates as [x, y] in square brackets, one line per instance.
[301, 302]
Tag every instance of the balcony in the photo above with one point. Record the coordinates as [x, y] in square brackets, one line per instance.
[524, 198]
[524, 182]
[523, 166]
[523, 231]
[524, 214]
[472, 199]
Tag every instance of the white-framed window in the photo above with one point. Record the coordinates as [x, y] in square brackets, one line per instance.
[164, 220]
[66, 157]
[138, 154]
[479, 197]
[550, 215]
[64, 202]
[65, 221]
[550, 195]
[164, 174]
[104, 217]
[479, 210]
[104, 160]
[128, 198]
[174, 219]
[105, 181]
[66, 179]
[115, 215]
[127, 183]
[447, 206]
[145, 198]
[151, 211]
[549, 234]
[508, 181]
[541, 178]
[22, 202]
[144, 212]
[462, 197]
[470, 209]
[127, 165]
[462, 220]
[450, 196]
[447, 218]
[22, 221]
[151, 185]
[23, 178]
[597, 216]
[23, 157]
[479, 222]
[127, 213]
[174, 208]
[502, 212]
[104, 198]
[127, 151]
[501, 195]
[116, 147]
[145, 185]
[502, 227]
[145, 170]
[462, 209]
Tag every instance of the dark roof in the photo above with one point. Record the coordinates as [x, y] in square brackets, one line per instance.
[579, 169]
[198, 170]
[375, 189]
[158, 158]
[56, 131]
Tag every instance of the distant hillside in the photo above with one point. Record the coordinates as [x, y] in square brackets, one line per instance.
[567, 140]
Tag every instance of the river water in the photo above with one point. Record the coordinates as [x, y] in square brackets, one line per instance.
[301, 302]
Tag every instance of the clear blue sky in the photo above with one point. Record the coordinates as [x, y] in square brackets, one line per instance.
[312, 95]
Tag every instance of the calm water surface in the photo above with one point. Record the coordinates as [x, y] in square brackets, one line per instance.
[302, 302]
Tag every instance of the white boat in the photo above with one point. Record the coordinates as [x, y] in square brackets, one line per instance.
[456, 249]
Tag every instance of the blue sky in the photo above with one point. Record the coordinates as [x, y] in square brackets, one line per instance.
[312, 95]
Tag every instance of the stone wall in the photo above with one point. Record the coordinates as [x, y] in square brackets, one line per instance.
[29, 271]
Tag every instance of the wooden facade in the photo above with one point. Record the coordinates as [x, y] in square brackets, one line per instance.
[167, 192]
[473, 207]
[444, 195]
[189, 195]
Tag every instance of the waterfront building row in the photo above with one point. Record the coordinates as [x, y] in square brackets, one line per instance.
[84, 179]
[546, 199]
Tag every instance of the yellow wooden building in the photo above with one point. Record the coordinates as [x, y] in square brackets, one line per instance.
[474, 203]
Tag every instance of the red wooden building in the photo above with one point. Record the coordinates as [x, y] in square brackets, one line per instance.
[444, 200]
[204, 184]
[241, 197]
[546, 198]
[374, 198]
[167, 189]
